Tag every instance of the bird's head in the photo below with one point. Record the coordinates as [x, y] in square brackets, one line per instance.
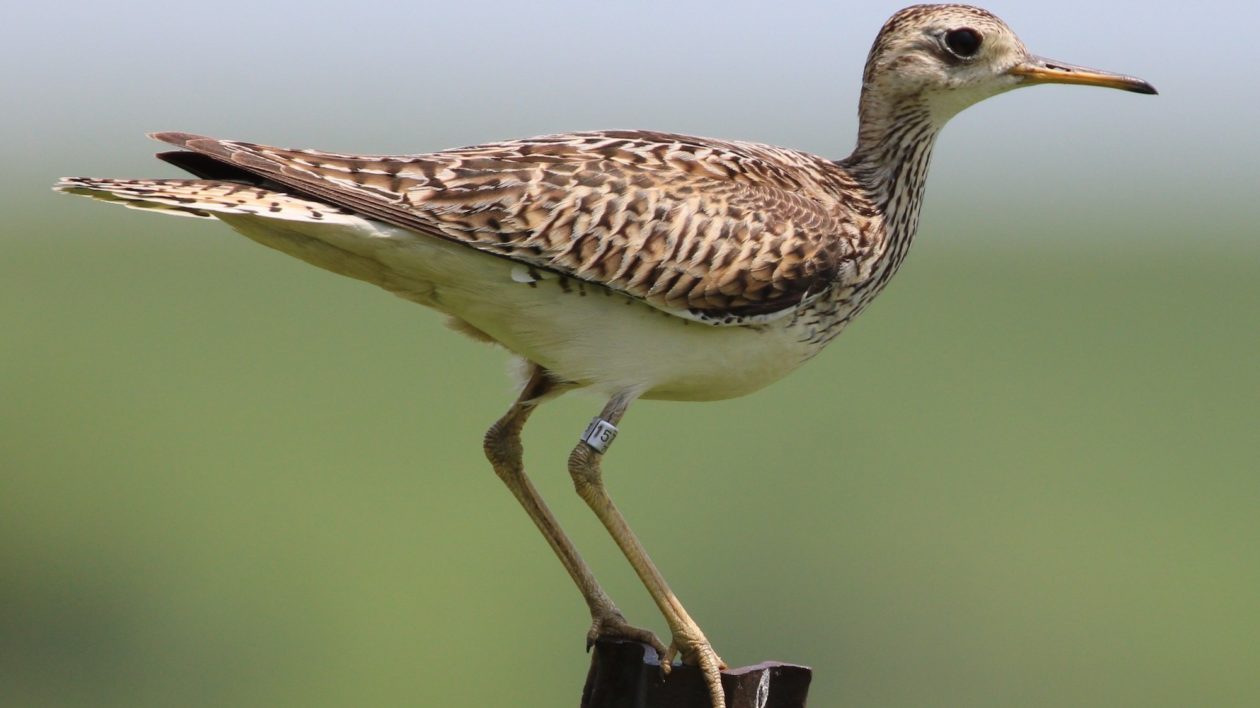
[947, 57]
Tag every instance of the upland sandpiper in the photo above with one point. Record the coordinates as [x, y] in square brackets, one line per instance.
[636, 264]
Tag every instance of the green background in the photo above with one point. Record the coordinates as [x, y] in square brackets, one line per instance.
[1026, 477]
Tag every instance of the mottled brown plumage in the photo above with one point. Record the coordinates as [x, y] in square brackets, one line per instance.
[723, 232]
[634, 263]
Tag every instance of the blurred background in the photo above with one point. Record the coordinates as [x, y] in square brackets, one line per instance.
[1026, 477]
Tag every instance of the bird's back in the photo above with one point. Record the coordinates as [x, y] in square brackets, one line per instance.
[508, 237]
[723, 232]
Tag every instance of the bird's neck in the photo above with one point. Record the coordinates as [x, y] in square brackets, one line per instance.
[895, 140]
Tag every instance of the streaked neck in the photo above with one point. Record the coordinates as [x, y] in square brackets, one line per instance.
[891, 160]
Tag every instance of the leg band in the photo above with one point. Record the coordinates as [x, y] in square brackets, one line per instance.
[599, 435]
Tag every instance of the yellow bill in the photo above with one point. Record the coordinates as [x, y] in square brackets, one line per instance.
[1037, 70]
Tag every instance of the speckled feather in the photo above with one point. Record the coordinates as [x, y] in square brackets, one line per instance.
[594, 256]
[724, 232]
[203, 198]
[776, 248]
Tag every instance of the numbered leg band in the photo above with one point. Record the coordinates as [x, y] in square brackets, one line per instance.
[599, 434]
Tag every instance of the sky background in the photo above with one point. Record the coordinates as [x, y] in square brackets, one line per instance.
[418, 76]
[1027, 476]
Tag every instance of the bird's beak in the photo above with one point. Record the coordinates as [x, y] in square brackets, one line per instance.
[1036, 70]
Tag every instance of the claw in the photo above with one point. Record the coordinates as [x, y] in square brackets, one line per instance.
[668, 657]
[699, 652]
[612, 623]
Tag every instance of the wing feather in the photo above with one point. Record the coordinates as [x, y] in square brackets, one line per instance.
[722, 232]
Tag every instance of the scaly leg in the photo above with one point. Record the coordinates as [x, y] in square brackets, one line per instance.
[504, 450]
[587, 477]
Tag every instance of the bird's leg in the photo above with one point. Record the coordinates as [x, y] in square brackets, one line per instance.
[585, 469]
[504, 450]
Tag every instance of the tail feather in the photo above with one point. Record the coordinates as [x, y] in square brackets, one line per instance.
[207, 167]
[204, 198]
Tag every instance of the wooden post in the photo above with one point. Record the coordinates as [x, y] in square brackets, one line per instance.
[627, 674]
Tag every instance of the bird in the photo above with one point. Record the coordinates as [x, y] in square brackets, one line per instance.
[630, 263]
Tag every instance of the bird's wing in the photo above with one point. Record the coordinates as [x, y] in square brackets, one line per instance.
[724, 233]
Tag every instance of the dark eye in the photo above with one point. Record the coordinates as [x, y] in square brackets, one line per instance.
[964, 42]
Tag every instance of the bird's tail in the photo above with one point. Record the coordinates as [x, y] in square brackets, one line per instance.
[204, 198]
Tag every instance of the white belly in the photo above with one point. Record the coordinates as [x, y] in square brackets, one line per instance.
[582, 332]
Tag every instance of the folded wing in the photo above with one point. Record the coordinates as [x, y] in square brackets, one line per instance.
[725, 233]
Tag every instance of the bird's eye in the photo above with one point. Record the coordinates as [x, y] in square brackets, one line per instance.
[963, 42]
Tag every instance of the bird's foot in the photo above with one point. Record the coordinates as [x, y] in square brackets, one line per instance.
[697, 651]
[610, 623]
